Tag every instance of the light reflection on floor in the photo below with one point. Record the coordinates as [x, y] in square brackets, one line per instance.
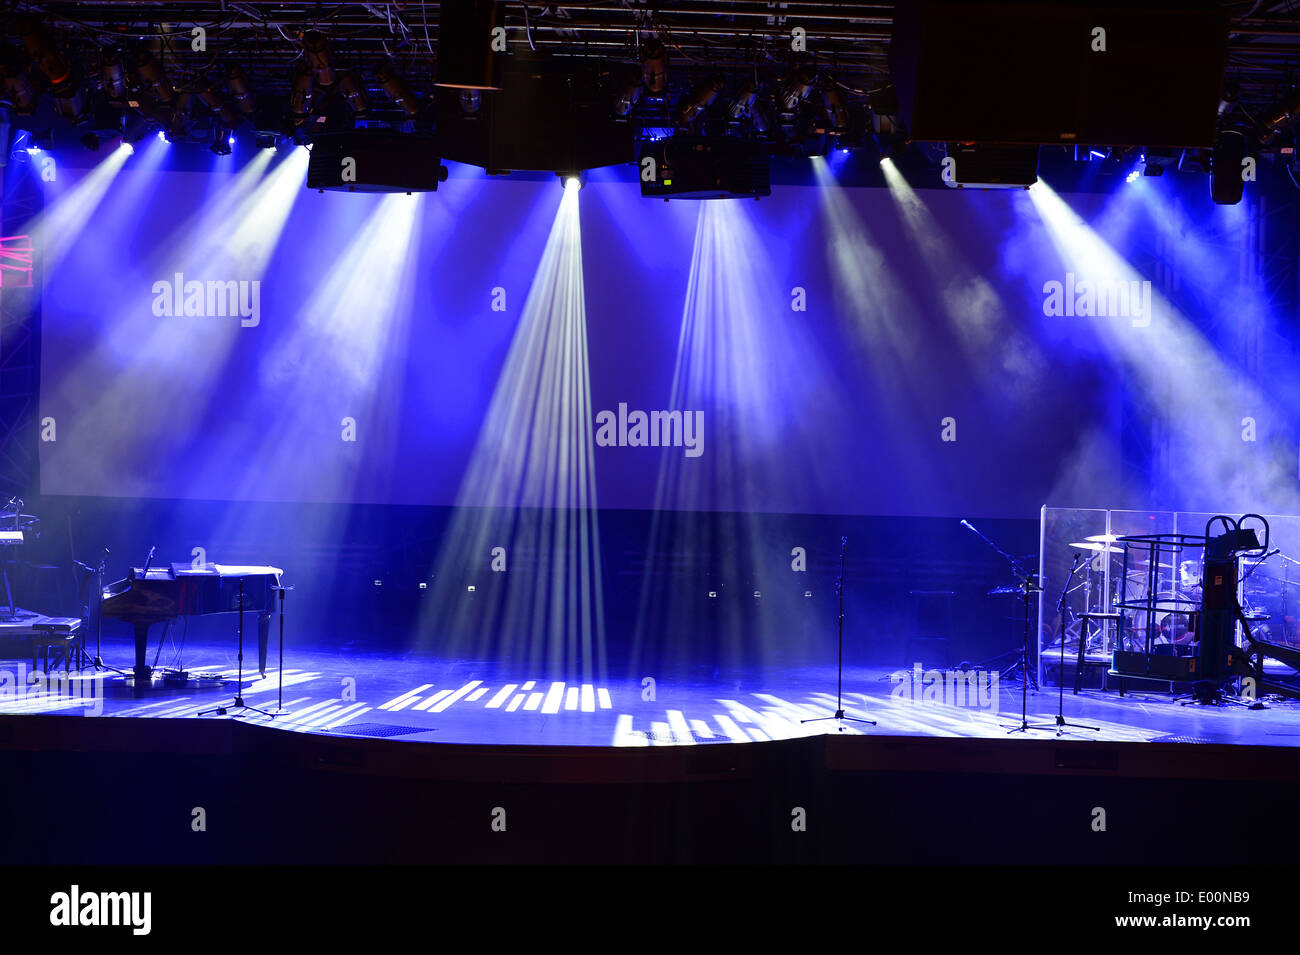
[421, 699]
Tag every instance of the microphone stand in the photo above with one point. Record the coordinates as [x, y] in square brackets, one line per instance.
[1061, 721]
[239, 703]
[839, 667]
[1027, 585]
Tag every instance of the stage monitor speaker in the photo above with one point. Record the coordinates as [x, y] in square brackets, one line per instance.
[364, 161]
[1115, 73]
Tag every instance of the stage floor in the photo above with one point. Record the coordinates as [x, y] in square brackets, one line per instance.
[421, 698]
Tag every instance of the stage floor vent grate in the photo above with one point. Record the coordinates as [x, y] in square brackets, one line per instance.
[380, 730]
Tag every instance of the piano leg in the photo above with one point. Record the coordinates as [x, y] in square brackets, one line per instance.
[263, 633]
[141, 645]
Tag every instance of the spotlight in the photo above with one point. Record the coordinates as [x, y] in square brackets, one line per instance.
[629, 93]
[162, 136]
[151, 72]
[1230, 152]
[238, 81]
[128, 147]
[300, 97]
[352, 92]
[742, 102]
[796, 86]
[216, 103]
[573, 181]
[318, 55]
[180, 113]
[700, 99]
[396, 87]
[471, 100]
[885, 120]
[18, 89]
[1133, 175]
[1283, 114]
[470, 51]
[113, 78]
[222, 142]
[654, 67]
[833, 102]
[65, 81]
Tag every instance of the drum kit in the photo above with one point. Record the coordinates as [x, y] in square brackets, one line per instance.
[1108, 580]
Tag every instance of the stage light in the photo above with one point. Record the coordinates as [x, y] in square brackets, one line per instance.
[222, 141]
[300, 98]
[700, 99]
[629, 92]
[217, 103]
[1280, 117]
[1226, 165]
[1133, 175]
[741, 103]
[396, 88]
[654, 67]
[65, 80]
[834, 104]
[151, 72]
[573, 181]
[352, 92]
[162, 136]
[126, 148]
[18, 89]
[238, 81]
[470, 102]
[113, 78]
[796, 86]
[469, 49]
[318, 55]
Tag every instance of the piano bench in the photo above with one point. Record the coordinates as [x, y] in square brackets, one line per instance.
[55, 633]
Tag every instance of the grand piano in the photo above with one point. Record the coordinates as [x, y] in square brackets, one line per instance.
[156, 594]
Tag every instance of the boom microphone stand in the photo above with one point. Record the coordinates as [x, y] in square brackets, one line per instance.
[1026, 585]
[839, 667]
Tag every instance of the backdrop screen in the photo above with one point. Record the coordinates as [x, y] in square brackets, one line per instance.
[233, 336]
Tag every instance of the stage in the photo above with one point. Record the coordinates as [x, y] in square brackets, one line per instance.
[385, 758]
[421, 698]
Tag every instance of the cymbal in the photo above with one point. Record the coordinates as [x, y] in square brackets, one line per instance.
[1094, 546]
[1103, 538]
